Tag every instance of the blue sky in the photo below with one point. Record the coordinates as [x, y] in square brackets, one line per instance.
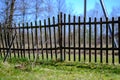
[78, 5]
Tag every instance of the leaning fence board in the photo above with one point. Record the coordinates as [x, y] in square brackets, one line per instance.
[2, 44]
[9, 48]
[5, 36]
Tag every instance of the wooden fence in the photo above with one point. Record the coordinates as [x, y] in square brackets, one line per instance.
[64, 37]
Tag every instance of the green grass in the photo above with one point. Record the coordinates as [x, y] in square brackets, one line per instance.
[56, 70]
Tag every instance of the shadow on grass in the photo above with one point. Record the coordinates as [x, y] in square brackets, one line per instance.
[90, 66]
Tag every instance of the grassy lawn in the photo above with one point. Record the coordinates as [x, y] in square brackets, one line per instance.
[55, 70]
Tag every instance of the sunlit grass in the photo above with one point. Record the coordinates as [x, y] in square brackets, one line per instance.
[56, 70]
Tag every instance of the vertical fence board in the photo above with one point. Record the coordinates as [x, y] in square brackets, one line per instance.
[8, 33]
[90, 39]
[49, 23]
[64, 37]
[46, 39]
[23, 40]
[14, 50]
[95, 29]
[31, 24]
[112, 40]
[107, 39]
[41, 39]
[79, 37]
[36, 40]
[69, 17]
[84, 36]
[20, 40]
[17, 46]
[55, 38]
[28, 42]
[60, 34]
[101, 40]
[74, 37]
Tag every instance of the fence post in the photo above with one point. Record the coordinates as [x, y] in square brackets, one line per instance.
[60, 34]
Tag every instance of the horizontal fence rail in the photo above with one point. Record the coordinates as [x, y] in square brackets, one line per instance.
[64, 37]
